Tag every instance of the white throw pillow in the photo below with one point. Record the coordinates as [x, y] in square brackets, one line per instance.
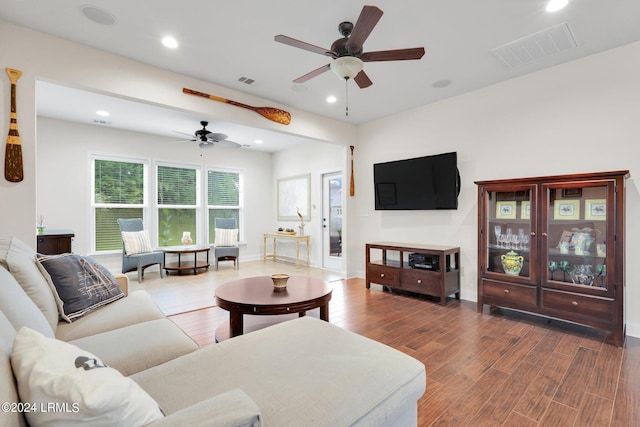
[226, 237]
[136, 242]
[67, 386]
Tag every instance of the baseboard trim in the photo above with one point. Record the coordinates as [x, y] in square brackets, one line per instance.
[633, 330]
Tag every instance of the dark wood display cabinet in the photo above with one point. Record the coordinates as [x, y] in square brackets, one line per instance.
[424, 269]
[554, 246]
[54, 242]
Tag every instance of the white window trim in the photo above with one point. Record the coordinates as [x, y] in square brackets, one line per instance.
[198, 206]
[241, 206]
[145, 196]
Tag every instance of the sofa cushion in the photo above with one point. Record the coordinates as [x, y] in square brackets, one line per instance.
[137, 347]
[80, 284]
[230, 409]
[52, 372]
[301, 372]
[136, 308]
[19, 308]
[136, 242]
[8, 388]
[20, 260]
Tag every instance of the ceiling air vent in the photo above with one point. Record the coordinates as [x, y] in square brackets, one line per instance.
[246, 80]
[536, 46]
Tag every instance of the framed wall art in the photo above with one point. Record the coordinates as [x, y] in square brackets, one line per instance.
[506, 210]
[595, 209]
[294, 193]
[566, 209]
[525, 210]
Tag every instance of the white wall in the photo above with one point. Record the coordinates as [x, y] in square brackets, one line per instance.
[573, 118]
[316, 159]
[64, 176]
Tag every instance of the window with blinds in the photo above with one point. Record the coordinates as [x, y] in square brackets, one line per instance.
[177, 201]
[119, 189]
[224, 197]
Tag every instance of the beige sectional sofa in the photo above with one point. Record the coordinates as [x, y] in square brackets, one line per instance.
[302, 372]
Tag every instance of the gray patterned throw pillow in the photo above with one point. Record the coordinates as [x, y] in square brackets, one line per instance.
[79, 284]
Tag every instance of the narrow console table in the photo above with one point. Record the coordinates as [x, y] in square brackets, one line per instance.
[296, 239]
[425, 269]
[192, 264]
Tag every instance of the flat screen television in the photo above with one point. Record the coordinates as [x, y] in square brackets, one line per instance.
[422, 183]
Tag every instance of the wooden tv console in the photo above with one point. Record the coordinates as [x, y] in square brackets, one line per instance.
[393, 269]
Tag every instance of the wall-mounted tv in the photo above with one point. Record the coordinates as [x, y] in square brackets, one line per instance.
[422, 183]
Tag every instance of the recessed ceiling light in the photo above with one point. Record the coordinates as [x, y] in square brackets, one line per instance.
[97, 15]
[170, 42]
[556, 5]
[331, 99]
[439, 84]
[103, 113]
[258, 141]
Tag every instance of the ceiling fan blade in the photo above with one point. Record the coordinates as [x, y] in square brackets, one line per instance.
[181, 141]
[217, 136]
[393, 55]
[312, 74]
[190, 135]
[304, 45]
[227, 143]
[362, 80]
[367, 20]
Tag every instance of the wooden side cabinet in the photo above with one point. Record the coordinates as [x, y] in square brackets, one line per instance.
[424, 269]
[55, 242]
[554, 246]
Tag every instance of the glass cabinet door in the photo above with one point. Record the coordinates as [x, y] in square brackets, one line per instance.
[576, 222]
[510, 233]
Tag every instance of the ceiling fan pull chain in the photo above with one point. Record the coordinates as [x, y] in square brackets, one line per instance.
[346, 88]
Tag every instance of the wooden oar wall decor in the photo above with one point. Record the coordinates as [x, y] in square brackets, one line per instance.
[13, 167]
[274, 114]
[352, 184]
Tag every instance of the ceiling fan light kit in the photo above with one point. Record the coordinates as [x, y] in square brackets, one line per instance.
[347, 67]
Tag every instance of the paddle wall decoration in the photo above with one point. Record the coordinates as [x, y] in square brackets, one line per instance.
[13, 167]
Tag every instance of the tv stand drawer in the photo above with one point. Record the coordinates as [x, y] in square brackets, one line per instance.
[383, 275]
[421, 281]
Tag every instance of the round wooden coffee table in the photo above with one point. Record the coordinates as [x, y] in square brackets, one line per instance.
[186, 265]
[256, 296]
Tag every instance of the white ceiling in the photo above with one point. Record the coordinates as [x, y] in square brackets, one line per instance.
[223, 41]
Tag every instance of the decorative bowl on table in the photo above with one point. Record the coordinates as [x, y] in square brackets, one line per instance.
[279, 281]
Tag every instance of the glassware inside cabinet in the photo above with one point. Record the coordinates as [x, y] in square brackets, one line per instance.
[508, 232]
[576, 230]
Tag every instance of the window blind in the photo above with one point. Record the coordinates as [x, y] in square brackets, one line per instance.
[176, 186]
[223, 188]
[119, 182]
[119, 192]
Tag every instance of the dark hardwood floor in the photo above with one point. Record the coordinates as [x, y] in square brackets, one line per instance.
[493, 369]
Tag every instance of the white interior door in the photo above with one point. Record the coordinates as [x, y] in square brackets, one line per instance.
[332, 221]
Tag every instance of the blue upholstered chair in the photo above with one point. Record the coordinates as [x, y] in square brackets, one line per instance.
[138, 261]
[222, 252]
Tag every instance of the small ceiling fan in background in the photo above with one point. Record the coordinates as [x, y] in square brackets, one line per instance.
[347, 52]
[208, 139]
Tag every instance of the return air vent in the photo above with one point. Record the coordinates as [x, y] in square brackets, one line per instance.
[246, 80]
[102, 122]
[536, 46]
